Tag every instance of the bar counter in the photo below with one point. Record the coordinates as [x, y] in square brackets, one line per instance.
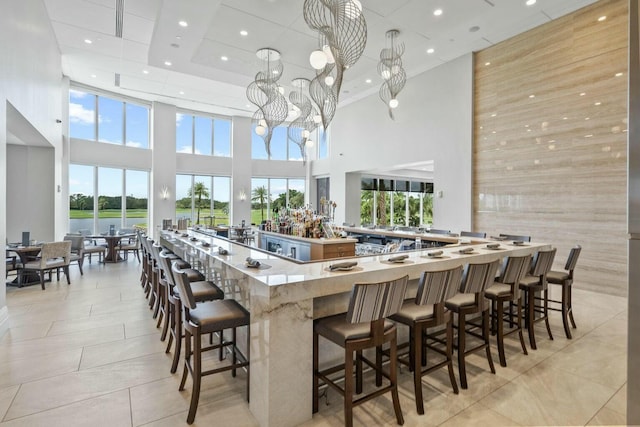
[284, 296]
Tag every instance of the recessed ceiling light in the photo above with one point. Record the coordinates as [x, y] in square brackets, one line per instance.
[93, 75]
[602, 18]
[431, 50]
[167, 63]
[224, 58]
[181, 92]
[437, 12]
[183, 23]
[618, 74]
[530, 2]
[368, 81]
[88, 41]
[493, 115]
[244, 33]
[145, 71]
[565, 118]
[587, 118]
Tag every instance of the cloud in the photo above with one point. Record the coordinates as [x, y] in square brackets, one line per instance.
[179, 117]
[79, 114]
[185, 149]
[134, 144]
[76, 94]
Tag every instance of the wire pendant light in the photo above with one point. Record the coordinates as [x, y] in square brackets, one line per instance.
[300, 129]
[342, 37]
[268, 96]
[390, 69]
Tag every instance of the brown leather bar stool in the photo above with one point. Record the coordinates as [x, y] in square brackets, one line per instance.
[158, 286]
[426, 311]
[364, 326]
[536, 282]
[469, 301]
[203, 319]
[202, 290]
[565, 280]
[506, 289]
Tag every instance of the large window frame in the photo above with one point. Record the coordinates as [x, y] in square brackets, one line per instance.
[129, 114]
[215, 186]
[216, 137]
[124, 221]
[397, 195]
[291, 183]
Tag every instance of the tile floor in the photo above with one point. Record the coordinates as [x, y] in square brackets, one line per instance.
[90, 354]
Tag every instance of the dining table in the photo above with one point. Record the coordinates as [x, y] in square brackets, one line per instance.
[26, 254]
[113, 244]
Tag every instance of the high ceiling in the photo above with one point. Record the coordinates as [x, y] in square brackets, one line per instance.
[199, 79]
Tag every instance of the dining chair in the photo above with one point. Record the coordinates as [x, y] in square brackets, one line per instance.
[11, 262]
[130, 245]
[565, 280]
[364, 326]
[77, 250]
[53, 256]
[427, 311]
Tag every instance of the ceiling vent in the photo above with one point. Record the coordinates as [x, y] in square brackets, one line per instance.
[119, 17]
[117, 81]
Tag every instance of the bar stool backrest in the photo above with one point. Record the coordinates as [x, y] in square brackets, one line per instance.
[435, 287]
[374, 301]
[165, 265]
[573, 259]
[516, 237]
[473, 234]
[477, 277]
[542, 262]
[182, 282]
[514, 268]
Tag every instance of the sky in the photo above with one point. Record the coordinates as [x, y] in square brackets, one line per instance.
[193, 134]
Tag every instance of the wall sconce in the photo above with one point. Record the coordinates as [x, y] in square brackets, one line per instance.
[242, 195]
[164, 192]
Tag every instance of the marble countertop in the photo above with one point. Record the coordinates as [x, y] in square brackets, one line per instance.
[298, 280]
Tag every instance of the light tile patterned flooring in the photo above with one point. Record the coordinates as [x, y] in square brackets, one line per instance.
[89, 354]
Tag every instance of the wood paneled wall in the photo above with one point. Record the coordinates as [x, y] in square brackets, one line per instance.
[550, 140]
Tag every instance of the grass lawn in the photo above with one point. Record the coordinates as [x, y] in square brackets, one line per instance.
[107, 213]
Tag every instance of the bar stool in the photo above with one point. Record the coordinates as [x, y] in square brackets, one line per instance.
[470, 300]
[202, 290]
[565, 279]
[364, 326]
[533, 283]
[207, 318]
[426, 311]
[507, 289]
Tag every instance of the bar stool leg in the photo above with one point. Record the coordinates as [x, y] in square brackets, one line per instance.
[316, 382]
[530, 318]
[486, 333]
[348, 387]
[462, 368]
[452, 377]
[196, 377]
[416, 358]
[393, 376]
[565, 311]
[178, 337]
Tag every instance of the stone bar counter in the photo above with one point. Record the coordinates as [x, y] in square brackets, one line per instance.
[285, 295]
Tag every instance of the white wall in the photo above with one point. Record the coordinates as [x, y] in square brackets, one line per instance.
[31, 190]
[30, 80]
[433, 122]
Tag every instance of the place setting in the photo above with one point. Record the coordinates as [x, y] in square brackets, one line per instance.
[438, 254]
[398, 259]
[254, 264]
[343, 266]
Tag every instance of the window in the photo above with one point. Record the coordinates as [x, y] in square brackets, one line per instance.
[390, 202]
[203, 135]
[270, 196]
[203, 199]
[99, 118]
[323, 144]
[101, 197]
[281, 147]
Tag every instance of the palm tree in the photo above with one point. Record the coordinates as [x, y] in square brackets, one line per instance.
[199, 190]
[260, 196]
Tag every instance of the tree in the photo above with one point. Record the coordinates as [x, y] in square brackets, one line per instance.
[199, 190]
[102, 203]
[260, 196]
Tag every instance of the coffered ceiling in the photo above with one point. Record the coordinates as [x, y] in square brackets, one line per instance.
[199, 78]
